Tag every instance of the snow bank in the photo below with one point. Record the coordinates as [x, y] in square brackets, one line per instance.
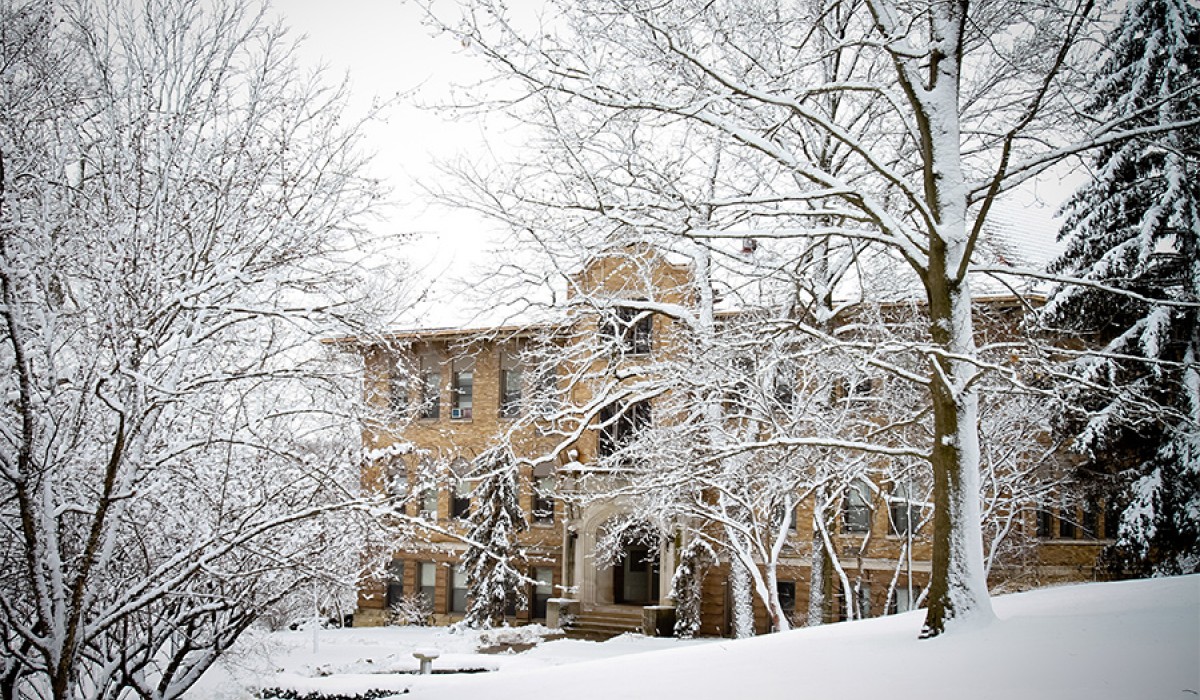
[1137, 639]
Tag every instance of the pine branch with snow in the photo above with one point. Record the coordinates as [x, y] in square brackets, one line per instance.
[1136, 227]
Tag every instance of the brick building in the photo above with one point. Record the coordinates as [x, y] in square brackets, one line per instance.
[449, 394]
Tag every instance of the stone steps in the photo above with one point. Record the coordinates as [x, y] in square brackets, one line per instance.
[604, 623]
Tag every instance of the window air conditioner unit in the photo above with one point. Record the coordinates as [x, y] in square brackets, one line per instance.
[456, 413]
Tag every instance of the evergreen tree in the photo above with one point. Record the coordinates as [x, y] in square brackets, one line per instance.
[1136, 227]
[492, 561]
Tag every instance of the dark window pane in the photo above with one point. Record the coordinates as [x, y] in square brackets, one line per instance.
[1043, 523]
[787, 596]
[1066, 524]
[1112, 520]
[395, 581]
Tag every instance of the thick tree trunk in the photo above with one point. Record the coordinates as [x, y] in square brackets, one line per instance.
[743, 606]
[958, 587]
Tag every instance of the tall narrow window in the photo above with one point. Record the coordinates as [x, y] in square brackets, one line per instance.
[431, 386]
[395, 582]
[1091, 520]
[427, 580]
[542, 590]
[787, 597]
[398, 381]
[864, 600]
[1112, 519]
[544, 396]
[901, 508]
[543, 494]
[740, 395]
[462, 397]
[856, 510]
[462, 500]
[429, 503]
[785, 386]
[1066, 523]
[641, 330]
[1044, 520]
[511, 378]
[397, 478]
[458, 590]
[781, 512]
[902, 601]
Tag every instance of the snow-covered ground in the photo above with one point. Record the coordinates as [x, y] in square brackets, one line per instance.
[1131, 640]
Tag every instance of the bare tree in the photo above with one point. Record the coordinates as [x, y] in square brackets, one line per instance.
[178, 201]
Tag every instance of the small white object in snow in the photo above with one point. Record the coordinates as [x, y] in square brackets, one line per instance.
[426, 657]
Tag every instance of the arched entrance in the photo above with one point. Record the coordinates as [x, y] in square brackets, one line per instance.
[618, 560]
[636, 574]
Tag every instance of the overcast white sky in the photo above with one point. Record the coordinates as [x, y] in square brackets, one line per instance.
[387, 51]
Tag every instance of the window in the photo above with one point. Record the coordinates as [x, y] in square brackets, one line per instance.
[429, 503]
[901, 509]
[631, 329]
[543, 494]
[545, 390]
[431, 387]
[902, 601]
[779, 513]
[856, 509]
[427, 580]
[1066, 524]
[461, 507]
[858, 600]
[852, 389]
[542, 590]
[1091, 520]
[785, 386]
[395, 582]
[620, 426]
[510, 392]
[458, 590]
[397, 478]
[1112, 519]
[398, 376]
[1044, 518]
[787, 597]
[462, 390]
[864, 600]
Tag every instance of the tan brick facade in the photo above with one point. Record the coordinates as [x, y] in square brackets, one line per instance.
[560, 547]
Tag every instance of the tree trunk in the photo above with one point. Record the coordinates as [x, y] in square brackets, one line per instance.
[743, 606]
[958, 587]
[816, 582]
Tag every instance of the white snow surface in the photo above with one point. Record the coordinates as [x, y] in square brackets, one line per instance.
[1134, 639]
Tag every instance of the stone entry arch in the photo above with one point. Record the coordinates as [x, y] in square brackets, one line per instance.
[634, 578]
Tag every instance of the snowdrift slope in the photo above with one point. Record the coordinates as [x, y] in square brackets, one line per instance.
[1135, 640]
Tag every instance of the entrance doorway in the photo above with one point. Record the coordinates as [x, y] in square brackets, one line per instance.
[635, 577]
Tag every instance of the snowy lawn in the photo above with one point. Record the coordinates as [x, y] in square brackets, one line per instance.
[353, 661]
[1130, 640]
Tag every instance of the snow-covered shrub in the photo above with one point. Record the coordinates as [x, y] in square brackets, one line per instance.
[413, 609]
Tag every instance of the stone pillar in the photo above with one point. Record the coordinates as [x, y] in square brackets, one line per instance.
[666, 570]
